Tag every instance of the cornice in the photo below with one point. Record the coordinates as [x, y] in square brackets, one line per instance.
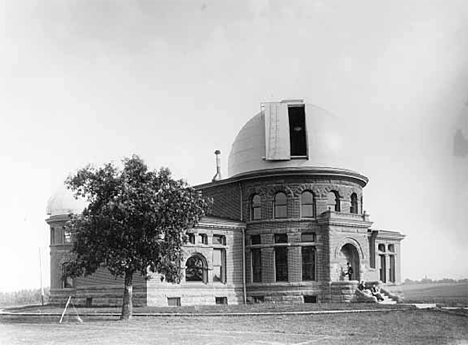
[321, 172]
[219, 226]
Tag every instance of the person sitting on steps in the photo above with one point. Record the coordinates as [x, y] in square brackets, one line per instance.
[376, 293]
[362, 287]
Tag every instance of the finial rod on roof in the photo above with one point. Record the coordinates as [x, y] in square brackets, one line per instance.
[217, 177]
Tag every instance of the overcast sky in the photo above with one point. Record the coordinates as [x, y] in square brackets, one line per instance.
[94, 81]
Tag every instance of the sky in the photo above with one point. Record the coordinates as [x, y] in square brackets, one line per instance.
[95, 81]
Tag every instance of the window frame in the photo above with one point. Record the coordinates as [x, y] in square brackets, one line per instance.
[256, 206]
[254, 243]
[281, 264]
[312, 204]
[191, 238]
[309, 267]
[309, 233]
[354, 208]
[203, 269]
[298, 141]
[203, 238]
[282, 206]
[67, 282]
[221, 265]
[337, 199]
[256, 265]
[222, 239]
[281, 238]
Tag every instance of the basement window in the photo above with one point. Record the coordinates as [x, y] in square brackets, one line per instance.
[258, 299]
[310, 299]
[173, 301]
[297, 132]
[221, 300]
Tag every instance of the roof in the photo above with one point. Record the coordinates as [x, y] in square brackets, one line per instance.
[63, 203]
[263, 142]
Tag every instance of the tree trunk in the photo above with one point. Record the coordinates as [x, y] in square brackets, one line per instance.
[127, 306]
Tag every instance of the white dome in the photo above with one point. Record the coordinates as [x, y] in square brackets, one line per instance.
[324, 137]
[63, 203]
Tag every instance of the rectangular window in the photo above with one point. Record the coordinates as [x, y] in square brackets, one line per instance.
[173, 301]
[256, 213]
[307, 211]
[219, 265]
[310, 299]
[392, 268]
[255, 239]
[297, 131]
[308, 237]
[281, 211]
[67, 282]
[257, 265]
[281, 264]
[258, 299]
[219, 239]
[308, 263]
[191, 238]
[66, 235]
[281, 238]
[221, 300]
[203, 238]
[383, 269]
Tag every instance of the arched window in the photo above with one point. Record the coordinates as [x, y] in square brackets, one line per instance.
[256, 207]
[381, 247]
[280, 209]
[391, 248]
[354, 204]
[307, 205]
[196, 269]
[333, 201]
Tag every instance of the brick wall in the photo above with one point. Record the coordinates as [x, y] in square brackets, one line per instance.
[226, 200]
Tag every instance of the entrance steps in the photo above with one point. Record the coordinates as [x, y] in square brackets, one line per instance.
[365, 296]
[387, 299]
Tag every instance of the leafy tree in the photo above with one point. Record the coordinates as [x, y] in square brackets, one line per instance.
[134, 223]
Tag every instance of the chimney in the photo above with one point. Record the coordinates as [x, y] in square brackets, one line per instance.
[217, 177]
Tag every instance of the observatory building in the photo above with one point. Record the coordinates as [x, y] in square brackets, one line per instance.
[286, 224]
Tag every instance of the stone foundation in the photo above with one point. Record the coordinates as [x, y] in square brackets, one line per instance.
[96, 296]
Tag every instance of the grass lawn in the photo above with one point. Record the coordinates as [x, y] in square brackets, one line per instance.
[213, 309]
[383, 327]
[379, 325]
[448, 294]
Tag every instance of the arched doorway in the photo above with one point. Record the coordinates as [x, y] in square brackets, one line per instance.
[351, 255]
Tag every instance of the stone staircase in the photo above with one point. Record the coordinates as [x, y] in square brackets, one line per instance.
[366, 297]
[387, 299]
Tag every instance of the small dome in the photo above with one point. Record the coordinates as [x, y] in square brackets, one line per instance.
[63, 203]
[323, 135]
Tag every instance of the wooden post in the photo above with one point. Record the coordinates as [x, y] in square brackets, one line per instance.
[64, 310]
